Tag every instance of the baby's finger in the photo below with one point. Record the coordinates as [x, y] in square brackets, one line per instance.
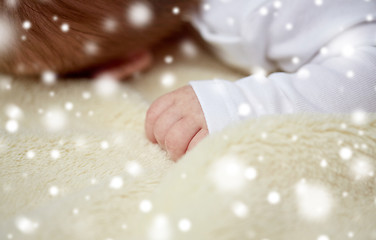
[197, 138]
[179, 136]
[164, 122]
[158, 106]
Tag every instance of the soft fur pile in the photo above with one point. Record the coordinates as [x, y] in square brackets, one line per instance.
[286, 152]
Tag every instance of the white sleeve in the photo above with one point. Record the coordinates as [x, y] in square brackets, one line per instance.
[325, 52]
[341, 84]
[269, 34]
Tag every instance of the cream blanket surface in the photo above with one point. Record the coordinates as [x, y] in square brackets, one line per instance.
[96, 176]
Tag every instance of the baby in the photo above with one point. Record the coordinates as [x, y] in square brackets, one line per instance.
[303, 56]
[321, 53]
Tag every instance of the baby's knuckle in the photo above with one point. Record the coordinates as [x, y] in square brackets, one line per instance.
[151, 114]
[193, 121]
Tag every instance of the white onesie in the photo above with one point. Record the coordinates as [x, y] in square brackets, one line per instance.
[321, 55]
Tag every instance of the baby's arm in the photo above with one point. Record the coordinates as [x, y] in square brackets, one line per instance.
[336, 84]
[325, 52]
[337, 81]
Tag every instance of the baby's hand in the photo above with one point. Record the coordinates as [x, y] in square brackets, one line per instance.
[176, 122]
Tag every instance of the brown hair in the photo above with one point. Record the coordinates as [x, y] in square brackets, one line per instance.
[47, 47]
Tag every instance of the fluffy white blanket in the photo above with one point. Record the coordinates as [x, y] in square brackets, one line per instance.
[77, 165]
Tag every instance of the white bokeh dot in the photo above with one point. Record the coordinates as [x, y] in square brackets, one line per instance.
[54, 120]
[104, 145]
[75, 211]
[160, 228]
[227, 174]
[184, 225]
[168, 79]
[91, 48]
[244, 109]
[323, 237]
[314, 201]
[68, 106]
[168, 59]
[106, 86]
[289, 26]
[274, 197]
[30, 154]
[189, 48]
[264, 135]
[110, 25]
[240, 209]
[295, 60]
[348, 51]
[303, 73]
[26, 25]
[49, 77]
[139, 14]
[359, 117]
[55, 154]
[324, 51]
[133, 168]
[206, 6]
[13, 111]
[175, 10]
[145, 206]
[11, 126]
[250, 173]
[345, 153]
[323, 163]
[369, 18]
[259, 73]
[277, 4]
[53, 190]
[350, 74]
[86, 95]
[116, 182]
[294, 138]
[318, 2]
[65, 27]
[362, 167]
[26, 225]
[263, 11]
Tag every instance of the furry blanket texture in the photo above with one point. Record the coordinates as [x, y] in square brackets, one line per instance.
[75, 164]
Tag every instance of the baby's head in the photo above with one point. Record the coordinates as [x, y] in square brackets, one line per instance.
[74, 35]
